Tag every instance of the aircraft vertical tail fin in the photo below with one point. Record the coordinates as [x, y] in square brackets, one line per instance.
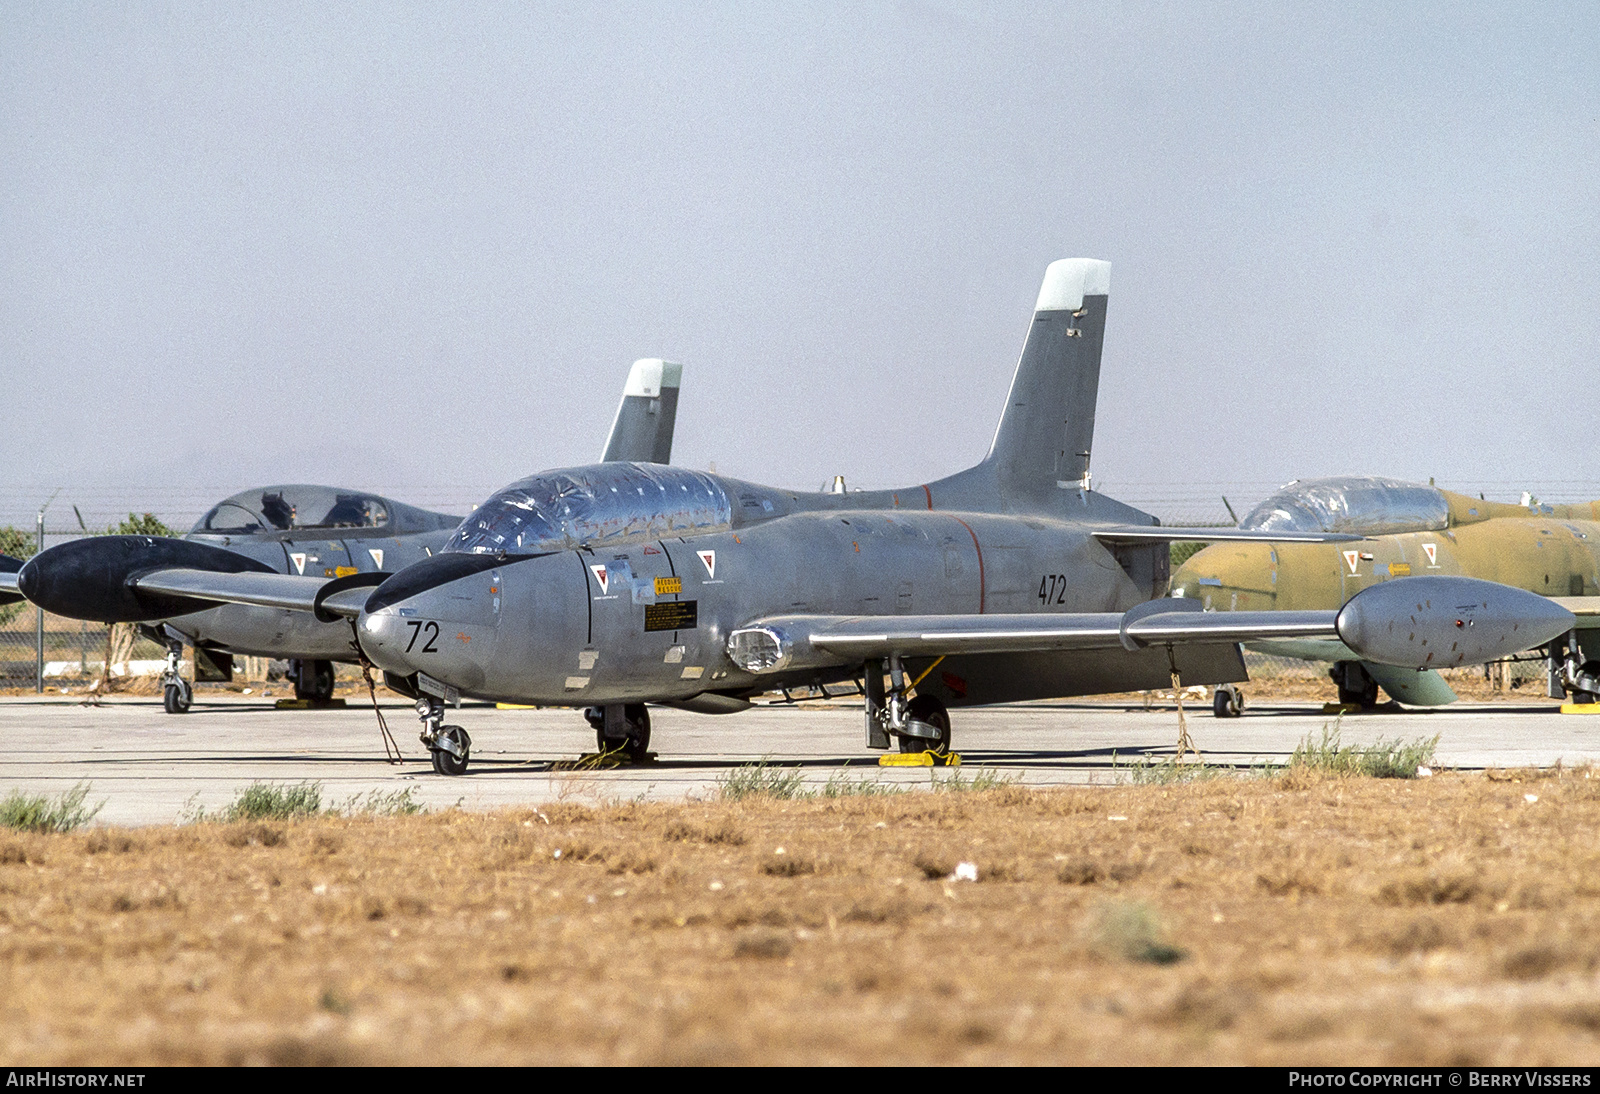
[642, 430]
[1046, 431]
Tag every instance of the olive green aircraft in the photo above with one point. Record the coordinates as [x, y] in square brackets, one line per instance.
[1409, 530]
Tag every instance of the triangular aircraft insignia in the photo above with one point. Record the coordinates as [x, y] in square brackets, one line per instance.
[299, 560]
[709, 560]
[1432, 551]
[1352, 559]
[377, 556]
[600, 576]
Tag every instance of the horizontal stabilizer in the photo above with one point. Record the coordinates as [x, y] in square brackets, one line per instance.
[1155, 533]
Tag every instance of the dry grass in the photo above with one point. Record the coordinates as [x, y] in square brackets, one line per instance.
[1305, 919]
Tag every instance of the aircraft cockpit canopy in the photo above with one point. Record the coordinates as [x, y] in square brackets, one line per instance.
[604, 504]
[278, 509]
[1355, 504]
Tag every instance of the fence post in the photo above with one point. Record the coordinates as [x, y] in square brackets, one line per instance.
[38, 629]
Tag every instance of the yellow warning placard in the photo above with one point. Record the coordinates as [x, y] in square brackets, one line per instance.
[665, 586]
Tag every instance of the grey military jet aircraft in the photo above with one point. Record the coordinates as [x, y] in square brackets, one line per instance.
[617, 585]
[356, 539]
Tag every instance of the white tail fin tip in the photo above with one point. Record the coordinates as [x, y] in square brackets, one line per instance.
[1068, 280]
[650, 375]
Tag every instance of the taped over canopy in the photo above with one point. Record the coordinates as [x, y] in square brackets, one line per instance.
[1360, 504]
[604, 504]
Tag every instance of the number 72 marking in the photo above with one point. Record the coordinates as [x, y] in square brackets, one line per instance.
[417, 627]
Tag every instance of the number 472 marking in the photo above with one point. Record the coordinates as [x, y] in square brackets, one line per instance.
[1053, 589]
[417, 627]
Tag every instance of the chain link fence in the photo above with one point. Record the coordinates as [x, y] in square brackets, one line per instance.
[73, 652]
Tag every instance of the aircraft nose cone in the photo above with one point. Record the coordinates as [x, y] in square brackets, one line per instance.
[383, 639]
[437, 617]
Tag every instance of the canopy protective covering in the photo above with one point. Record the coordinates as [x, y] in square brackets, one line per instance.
[598, 505]
[279, 510]
[1357, 504]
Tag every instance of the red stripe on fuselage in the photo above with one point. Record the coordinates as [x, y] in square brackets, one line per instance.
[976, 547]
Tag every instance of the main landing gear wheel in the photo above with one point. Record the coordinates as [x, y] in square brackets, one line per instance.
[1591, 671]
[1228, 702]
[635, 741]
[1355, 685]
[177, 698]
[313, 680]
[451, 749]
[931, 713]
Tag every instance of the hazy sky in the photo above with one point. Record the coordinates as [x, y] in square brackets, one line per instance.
[414, 248]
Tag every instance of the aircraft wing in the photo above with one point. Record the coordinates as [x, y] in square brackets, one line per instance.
[326, 598]
[922, 635]
[1156, 533]
[1586, 608]
[799, 641]
[1421, 623]
[8, 580]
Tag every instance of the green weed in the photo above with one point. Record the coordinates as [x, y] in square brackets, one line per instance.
[788, 784]
[1382, 759]
[384, 803]
[841, 785]
[268, 801]
[985, 779]
[36, 813]
[761, 780]
[1152, 772]
[1131, 931]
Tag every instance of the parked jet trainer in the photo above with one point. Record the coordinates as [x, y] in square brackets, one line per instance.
[1411, 529]
[353, 538]
[616, 585]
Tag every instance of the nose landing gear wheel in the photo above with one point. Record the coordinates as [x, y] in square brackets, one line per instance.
[930, 712]
[453, 748]
[635, 741]
[176, 698]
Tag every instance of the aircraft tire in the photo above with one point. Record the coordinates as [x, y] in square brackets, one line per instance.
[314, 681]
[1366, 695]
[636, 745]
[446, 763]
[1227, 702]
[176, 698]
[1591, 669]
[929, 711]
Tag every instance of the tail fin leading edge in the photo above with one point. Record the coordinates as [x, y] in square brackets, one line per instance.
[642, 430]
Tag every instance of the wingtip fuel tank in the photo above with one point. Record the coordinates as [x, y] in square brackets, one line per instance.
[1445, 622]
[94, 578]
